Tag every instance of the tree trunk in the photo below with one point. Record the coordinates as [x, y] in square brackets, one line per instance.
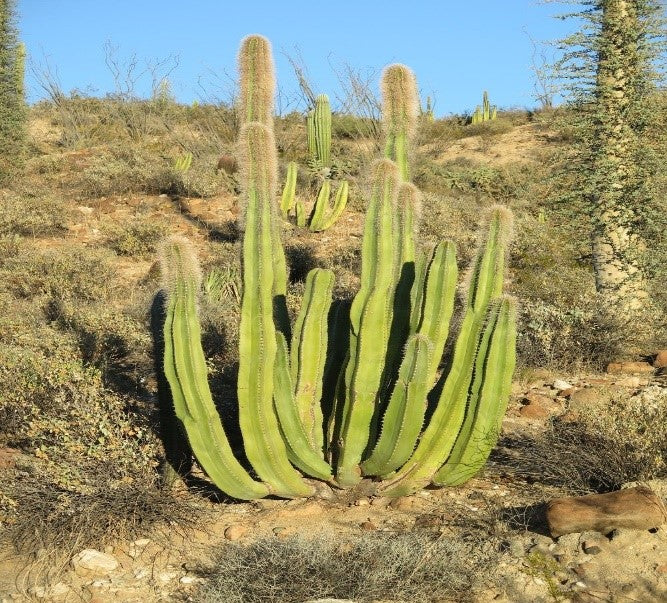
[616, 247]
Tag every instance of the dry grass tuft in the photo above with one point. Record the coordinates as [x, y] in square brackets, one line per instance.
[626, 441]
[415, 567]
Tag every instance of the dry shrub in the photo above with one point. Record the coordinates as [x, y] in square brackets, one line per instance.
[53, 523]
[32, 216]
[623, 441]
[136, 238]
[65, 273]
[415, 567]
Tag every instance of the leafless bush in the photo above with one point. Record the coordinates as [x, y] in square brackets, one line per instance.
[624, 441]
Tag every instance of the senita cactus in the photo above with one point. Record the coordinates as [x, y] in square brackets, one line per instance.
[343, 394]
[484, 112]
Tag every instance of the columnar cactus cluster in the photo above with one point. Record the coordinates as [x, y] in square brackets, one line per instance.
[343, 394]
[485, 112]
[323, 215]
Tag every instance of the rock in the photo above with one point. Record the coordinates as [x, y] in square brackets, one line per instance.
[635, 508]
[368, 526]
[236, 531]
[660, 359]
[167, 575]
[619, 368]
[538, 407]
[142, 542]
[405, 503]
[91, 560]
[662, 569]
[632, 382]
[361, 502]
[592, 547]
[585, 398]
[561, 385]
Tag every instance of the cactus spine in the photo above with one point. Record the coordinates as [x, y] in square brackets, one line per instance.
[351, 383]
[319, 132]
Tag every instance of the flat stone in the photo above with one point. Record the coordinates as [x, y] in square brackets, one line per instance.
[235, 532]
[91, 560]
[627, 367]
[561, 385]
[634, 508]
[585, 398]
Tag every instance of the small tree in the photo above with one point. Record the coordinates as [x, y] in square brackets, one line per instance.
[13, 110]
[611, 67]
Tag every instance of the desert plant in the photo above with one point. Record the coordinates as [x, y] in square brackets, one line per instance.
[13, 109]
[323, 215]
[398, 325]
[484, 112]
[182, 163]
[318, 129]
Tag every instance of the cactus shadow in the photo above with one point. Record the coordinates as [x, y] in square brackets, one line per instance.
[301, 260]
[226, 232]
[530, 518]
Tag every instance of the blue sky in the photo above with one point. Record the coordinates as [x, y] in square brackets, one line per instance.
[457, 49]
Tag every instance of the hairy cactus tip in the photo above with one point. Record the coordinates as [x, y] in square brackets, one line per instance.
[178, 260]
[257, 80]
[400, 100]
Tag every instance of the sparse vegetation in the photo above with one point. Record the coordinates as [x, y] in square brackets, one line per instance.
[78, 233]
[411, 567]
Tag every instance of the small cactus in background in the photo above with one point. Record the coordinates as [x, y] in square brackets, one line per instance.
[380, 356]
[318, 130]
[485, 112]
[427, 113]
[183, 163]
[323, 215]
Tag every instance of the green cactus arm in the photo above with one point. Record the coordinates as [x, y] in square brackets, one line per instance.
[186, 373]
[370, 322]
[289, 190]
[486, 408]
[339, 205]
[310, 135]
[300, 449]
[404, 416]
[438, 301]
[494, 113]
[264, 445]
[308, 353]
[300, 209]
[338, 327]
[408, 210]
[417, 292]
[440, 435]
[486, 107]
[322, 120]
[321, 204]
[486, 281]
